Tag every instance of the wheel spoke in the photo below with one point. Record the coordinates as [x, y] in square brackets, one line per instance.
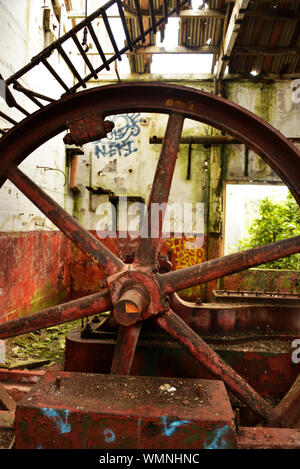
[75, 309]
[227, 265]
[125, 349]
[288, 408]
[82, 238]
[152, 225]
[204, 354]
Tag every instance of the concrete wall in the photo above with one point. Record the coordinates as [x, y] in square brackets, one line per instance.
[22, 35]
[275, 104]
[34, 256]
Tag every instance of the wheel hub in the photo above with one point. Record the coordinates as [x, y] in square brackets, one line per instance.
[136, 295]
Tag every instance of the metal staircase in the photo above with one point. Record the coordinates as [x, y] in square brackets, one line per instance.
[135, 37]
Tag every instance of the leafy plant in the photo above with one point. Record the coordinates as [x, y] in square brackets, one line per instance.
[275, 221]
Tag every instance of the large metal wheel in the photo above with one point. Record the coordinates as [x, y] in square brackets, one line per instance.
[137, 292]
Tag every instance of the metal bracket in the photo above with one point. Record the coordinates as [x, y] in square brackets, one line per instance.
[84, 129]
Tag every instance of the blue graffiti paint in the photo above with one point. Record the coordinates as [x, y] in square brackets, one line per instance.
[109, 435]
[139, 432]
[219, 439]
[60, 420]
[120, 141]
[115, 149]
[169, 429]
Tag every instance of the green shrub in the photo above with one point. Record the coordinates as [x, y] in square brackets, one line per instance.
[275, 221]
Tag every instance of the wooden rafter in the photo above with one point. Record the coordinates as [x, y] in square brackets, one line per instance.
[267, 1]
[6, 401]
[285, 15]
[172, 50]
[231, 33]
[159, 13]
[286, 51]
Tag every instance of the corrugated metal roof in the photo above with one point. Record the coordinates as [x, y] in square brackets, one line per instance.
[270, 34]
[258, 31]
[197, 32]
[266, 24]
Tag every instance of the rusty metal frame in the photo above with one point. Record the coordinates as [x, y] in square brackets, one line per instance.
[179, 102]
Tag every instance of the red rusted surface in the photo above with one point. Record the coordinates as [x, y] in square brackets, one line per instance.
[77, 411]
[226, 317]
[82, 238]
[20, 376]
[214, 251]
[18, 382]
[6, 401]
[289, 406]
[73, 174]
[199, 349]
[124, 349]
[268, 438]
[35, 280]
[146, 279]
[151, 231]
[227, 265]
[55, 270]
[270, 373]
[85, 276]
[93, 304]
[130, 306]
[257, 297]
[88, 128]
[285, 281]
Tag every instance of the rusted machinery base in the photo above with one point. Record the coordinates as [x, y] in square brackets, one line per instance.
[95, 411]
[271, 373]
[268, 438]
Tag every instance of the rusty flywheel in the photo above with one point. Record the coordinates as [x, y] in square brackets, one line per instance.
[137, 292]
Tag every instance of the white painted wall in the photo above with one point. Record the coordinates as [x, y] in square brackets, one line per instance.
[21, 37]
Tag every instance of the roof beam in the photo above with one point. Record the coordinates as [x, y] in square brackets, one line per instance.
[175, 50]
[290, 51]
[210, 140]
[266, 1]
[163, 50]
[286, 15]
[159, 13]
[231, 33]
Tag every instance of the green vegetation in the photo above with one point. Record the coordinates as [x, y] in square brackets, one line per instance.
[275, 221]
[41, 348]
[46, 346]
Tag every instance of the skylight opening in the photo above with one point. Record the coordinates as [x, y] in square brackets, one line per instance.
[181, 63]
[169, 63]
[171, 35]
[196, 4]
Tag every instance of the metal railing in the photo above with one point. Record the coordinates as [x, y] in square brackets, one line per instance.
[84, 27]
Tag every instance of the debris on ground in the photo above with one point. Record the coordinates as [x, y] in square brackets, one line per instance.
[43, 348]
